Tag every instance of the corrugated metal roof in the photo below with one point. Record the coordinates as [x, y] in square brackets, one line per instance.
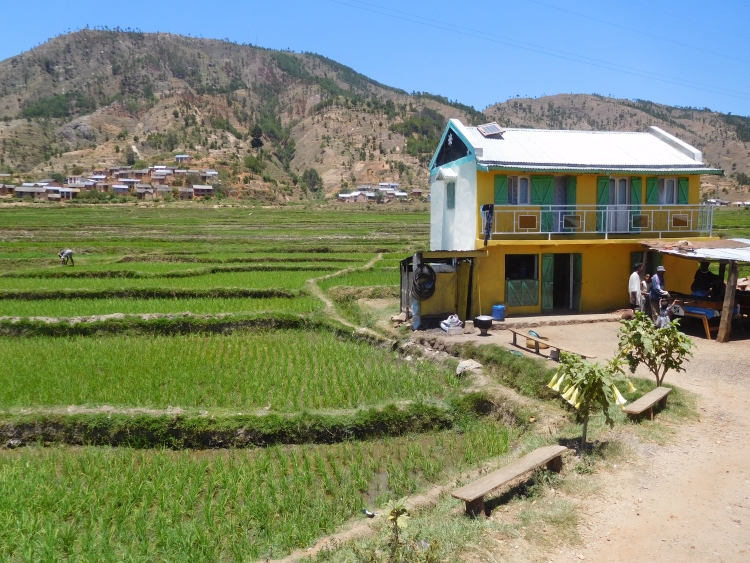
[737, 250]
[544, 150]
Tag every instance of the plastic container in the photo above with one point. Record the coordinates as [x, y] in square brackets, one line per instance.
[498, 312]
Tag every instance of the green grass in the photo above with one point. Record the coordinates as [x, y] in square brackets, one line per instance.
[287, 369]
[102, 504]
[374, 276]
[288, 280]
[203, 306]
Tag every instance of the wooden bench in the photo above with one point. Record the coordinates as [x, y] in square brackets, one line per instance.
[555, 349]
[647, 402]
[708, 328]
[473, 494]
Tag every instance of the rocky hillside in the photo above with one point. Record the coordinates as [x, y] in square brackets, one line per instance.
[266, 119]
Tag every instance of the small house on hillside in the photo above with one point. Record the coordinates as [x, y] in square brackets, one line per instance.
[7, 189]
[202, 190]
[182, 158]
[32, 191]
[186, 192]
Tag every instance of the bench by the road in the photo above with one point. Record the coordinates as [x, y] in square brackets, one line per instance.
[647, 402]
[473, 494]
[554, 353]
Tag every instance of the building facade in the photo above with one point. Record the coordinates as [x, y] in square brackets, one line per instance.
[561, 215]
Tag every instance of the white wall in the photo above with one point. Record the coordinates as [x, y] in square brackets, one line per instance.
[454, 229]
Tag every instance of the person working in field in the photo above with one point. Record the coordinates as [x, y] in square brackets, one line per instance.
[66, 255]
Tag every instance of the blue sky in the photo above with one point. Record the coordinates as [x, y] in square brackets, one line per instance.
[686, 52]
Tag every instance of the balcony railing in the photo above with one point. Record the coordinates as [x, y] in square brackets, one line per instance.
[604, 220]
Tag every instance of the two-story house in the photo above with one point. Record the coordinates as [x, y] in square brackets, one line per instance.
[560, 216]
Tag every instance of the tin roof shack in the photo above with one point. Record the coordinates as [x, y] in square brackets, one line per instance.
[182, 158]
[163, 191]
[728, 252]
[562, 213]
[121, 189]
[7, 189]
[186, 192]
[202, 190]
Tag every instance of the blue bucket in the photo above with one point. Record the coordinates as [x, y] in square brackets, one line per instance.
[498, 312]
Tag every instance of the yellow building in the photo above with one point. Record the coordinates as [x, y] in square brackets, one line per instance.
[554, 220]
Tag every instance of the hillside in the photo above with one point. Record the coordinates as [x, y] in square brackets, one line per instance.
[89, 98]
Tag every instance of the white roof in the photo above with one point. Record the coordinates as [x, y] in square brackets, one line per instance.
[544, 149]
[202, 187]
[737, 249]
[401, 194]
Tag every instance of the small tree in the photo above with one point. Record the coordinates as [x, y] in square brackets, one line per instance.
[659, 349]
[588, 387]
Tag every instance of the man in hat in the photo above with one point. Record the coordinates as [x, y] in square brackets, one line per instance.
[657, 291]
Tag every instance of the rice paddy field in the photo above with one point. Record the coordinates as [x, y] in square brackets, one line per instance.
[100, 503]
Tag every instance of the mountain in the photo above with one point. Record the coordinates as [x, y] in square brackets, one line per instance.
[97, 97]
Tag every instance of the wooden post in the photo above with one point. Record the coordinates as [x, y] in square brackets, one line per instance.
[722, 271]
[726, 313]
[475, 508]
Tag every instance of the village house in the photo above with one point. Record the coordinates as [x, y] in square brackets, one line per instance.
[553, 221]
[416, 192]
[182, 158]
[121, 189]
[31, 190]
[202, 190]
[144, 191]
[7, 189]
[186, 192]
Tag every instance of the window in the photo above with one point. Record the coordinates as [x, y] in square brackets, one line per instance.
[667, 191]
[521, 267]
[519, 191]
[618, 191]
[450, 195]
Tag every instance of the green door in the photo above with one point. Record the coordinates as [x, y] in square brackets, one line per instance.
[602, 200]
[543, 194]
[548, 281]
[577, 280]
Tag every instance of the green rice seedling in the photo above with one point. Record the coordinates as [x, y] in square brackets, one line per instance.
[83, 307]
[287, 370]
[121, 504]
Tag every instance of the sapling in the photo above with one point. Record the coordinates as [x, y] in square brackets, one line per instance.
[588, 387]
[659, 349]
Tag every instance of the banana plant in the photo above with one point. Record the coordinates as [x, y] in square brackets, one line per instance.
[589, 387]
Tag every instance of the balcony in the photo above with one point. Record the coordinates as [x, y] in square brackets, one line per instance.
[600, 221]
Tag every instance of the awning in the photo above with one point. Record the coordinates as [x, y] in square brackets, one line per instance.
[724, 250]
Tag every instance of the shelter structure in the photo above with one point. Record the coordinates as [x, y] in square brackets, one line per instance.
[561, 214]
[728, 254]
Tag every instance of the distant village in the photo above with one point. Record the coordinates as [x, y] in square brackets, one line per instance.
[384, 192]
[154, 182]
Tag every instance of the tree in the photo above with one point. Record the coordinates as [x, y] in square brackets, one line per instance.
[256, 133]
[129, 155]
[659, 349]
[311, 179]
[588, 387]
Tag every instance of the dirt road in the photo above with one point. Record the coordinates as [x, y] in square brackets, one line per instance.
[688, 500]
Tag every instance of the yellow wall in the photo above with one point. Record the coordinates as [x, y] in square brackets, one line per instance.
[585, 188]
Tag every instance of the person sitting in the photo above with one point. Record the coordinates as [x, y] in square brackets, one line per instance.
[703, 281]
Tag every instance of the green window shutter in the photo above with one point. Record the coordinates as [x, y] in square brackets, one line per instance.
[602, 199]
[501, 190]
[513, 293]
[682, 190]
[602, 190]
[652, 191]
[636, 190]
[450, 195]
[570, 190]
[542, 190]
[548, 278]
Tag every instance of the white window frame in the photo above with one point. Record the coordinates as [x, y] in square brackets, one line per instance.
[616, 180]
[514, 189]
[662, 193]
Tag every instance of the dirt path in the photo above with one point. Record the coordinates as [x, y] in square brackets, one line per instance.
[688, 500]
[330, 308]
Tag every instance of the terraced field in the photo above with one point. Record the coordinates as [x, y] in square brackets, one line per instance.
[260, 346]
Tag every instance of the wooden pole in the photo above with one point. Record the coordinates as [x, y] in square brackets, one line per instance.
[723, 271]
[726, 313]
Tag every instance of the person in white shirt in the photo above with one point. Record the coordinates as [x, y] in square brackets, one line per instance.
[634, 288]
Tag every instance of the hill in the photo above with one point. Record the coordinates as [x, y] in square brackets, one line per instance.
[96, 97]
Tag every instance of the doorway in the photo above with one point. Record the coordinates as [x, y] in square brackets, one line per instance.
[619, 216]
[561, 281]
